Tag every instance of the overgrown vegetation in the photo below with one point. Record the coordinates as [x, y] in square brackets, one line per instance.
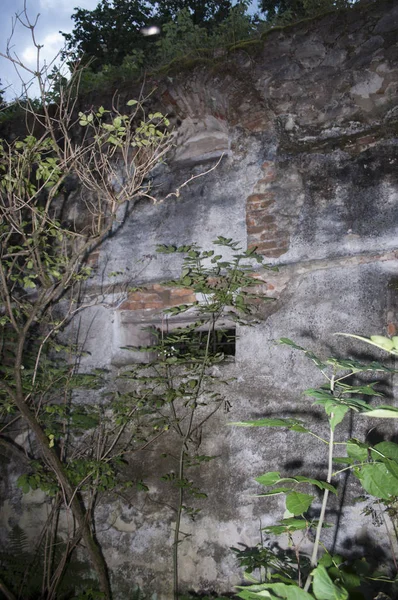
[43, 263]
[75, 450]
[120, 40]
[185, 31]
[297, 574]
[177, 389]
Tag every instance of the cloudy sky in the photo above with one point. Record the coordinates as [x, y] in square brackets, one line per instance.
[55, 16]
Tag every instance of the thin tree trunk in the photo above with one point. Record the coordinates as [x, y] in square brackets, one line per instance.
[50, 455]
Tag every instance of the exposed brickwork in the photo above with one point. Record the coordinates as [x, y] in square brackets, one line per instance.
[93, 258]
[263, 231]
[157, 297]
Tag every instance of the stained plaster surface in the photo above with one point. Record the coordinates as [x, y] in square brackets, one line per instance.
[320, 101]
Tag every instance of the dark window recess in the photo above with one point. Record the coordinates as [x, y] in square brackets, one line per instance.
[220, 341]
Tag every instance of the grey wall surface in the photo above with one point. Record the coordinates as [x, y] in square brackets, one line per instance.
[315, 107]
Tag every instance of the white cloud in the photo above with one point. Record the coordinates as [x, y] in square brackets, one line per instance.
[52, 44]
[65, 5]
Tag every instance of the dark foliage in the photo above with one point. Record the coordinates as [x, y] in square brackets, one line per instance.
[108, 33]
[2, 101]
[112, 31]
[297, 9]
[203, 12]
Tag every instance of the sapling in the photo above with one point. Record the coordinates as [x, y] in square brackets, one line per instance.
[376, 467]
[185, 393]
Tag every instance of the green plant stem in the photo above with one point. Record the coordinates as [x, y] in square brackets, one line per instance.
[188, 433]
[178, 525]
[314, 556]
[318, 437]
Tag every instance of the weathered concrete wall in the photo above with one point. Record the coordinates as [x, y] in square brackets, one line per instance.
[306, 123]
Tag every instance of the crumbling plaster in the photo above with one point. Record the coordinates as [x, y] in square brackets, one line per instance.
[305, 125]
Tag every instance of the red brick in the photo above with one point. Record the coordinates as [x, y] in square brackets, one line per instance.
[179, 292]
[261, 196]
[264, 228]
[256, 204]
[256, 198]
[391, 329]
[260, 213]
[127, 305]
[273, 252]
[153, 305]
[270, 246]
[145, 296]
[272, 236]
[259, 217]
[262, 231]
[260, 208]
[92, 259]
[260, 201]
[269, 177]
[156, 297]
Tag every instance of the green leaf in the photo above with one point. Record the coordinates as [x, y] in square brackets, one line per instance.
[324, 588]
[378, 481]
[337, 414]
[299, 428]
[273, 590]
[132, 102]
[269, 478]
[367, 390]
[23, 483]
[357, 450]
[324, 397]
[332, 406]
[348, 577]
[113, 140]
[386, 449]
[326, 560]
[287, 526]
[322, 485]
[383, 412]
[297, 503]
[28, 283]
[380, 341]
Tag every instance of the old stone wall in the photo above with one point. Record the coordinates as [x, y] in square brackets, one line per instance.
[304, 126]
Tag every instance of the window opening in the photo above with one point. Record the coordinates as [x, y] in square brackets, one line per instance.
[221, 341]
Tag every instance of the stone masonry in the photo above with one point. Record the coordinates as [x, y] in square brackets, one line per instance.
[288, 144]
